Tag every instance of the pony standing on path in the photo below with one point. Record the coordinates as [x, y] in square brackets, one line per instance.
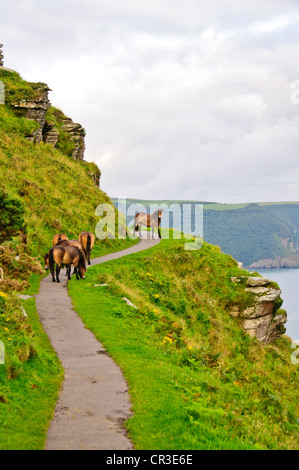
[153, 220]
[67, 255]
[71, 243]
[87, 239]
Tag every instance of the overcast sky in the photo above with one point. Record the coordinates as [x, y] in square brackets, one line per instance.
[180, 99]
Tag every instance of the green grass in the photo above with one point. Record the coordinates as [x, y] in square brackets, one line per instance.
[196, 379]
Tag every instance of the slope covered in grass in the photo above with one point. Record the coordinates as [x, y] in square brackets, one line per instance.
[196, 379]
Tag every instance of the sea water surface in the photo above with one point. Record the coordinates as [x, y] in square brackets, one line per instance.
[288, 281]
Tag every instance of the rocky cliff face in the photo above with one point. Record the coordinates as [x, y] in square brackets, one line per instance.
[35, 110]
[263, 319]
[77, 134]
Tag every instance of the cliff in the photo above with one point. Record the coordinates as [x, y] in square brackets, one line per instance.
[49, 132]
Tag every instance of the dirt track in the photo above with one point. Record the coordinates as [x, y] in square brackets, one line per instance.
[94, 400]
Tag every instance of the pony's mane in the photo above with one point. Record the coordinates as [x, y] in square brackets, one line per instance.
[156, 212]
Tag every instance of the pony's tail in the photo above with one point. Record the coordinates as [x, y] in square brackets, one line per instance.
[88, 244]
[137, 225]
[51, 261]
[82, 259]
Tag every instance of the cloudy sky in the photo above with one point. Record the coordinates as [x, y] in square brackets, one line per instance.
[180, 99]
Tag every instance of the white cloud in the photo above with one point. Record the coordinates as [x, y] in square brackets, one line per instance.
[179, 99]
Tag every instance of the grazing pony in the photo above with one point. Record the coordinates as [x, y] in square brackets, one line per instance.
[87, 239]
[67, 255]
[153, 220]
[71, 243]
[58, 237]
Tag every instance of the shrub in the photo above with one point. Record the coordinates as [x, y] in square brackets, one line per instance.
[12, 216]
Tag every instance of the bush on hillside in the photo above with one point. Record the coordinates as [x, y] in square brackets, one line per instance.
[11, 218]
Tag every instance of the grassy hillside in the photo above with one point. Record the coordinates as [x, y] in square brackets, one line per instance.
[249, 232]
[196, 379]
[42, 191]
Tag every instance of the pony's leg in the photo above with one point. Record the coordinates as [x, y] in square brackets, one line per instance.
[57, 272]
[76, 271]
[68, 271]
[88, 258]
[53, 274]
[159, 232]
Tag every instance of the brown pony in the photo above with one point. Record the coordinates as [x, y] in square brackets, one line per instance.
[153, 220]
[71, 243]
[87, 239]
[67, 255]
[58, 237]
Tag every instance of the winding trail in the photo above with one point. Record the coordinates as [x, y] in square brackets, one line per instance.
[94, 400]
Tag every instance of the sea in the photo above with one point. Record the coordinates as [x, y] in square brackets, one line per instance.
[288, 281]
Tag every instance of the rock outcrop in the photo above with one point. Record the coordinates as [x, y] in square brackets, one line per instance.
[35, 110]
[46, 132]
[262, 319]
[50, 134]
[77, 135]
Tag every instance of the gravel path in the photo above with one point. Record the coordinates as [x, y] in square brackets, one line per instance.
[94, 400]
